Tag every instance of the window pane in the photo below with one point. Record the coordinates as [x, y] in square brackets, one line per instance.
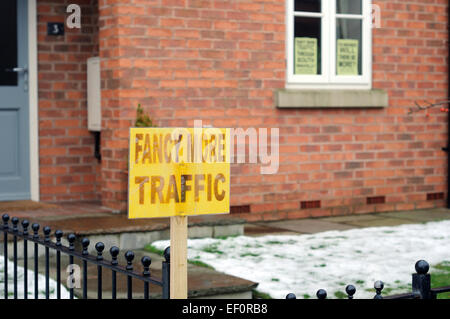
[349, 47]
[8, 34]
[308, 5]
[349, 6]
[307, 44]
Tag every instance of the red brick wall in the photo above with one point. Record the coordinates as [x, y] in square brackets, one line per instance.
[222, 61]
[68, 170]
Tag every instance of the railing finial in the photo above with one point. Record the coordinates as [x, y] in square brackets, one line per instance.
[5, 219]
[71, 238]
[321, 294]
[379, 285]
[58, 235]
[350, 290]
[146, 262]
[114, 251]
[99, 247]
[15, 221]
[422, 267]
[129, 256]
[35, 228]
[85, 243]
[47, 230]
[25, 225]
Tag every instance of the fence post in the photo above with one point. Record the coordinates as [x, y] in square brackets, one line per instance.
[421, 281]
[166, 274]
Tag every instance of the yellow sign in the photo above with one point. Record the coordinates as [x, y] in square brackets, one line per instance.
[178, 172]
[347, 57]
[306, 56]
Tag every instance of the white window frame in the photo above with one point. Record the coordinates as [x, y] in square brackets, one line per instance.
[328, 79]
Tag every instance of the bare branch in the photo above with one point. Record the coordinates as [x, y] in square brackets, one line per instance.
[428, 105]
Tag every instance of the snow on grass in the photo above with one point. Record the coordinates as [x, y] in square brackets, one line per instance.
[20, 283]
[302, 264]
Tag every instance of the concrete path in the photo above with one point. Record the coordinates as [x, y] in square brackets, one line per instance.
[317, 225]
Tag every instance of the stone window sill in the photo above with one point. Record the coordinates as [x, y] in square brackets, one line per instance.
[331, 99]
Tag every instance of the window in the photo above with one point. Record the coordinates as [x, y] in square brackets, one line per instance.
[8, 52]
[329, 44]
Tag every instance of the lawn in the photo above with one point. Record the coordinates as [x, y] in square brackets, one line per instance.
[303, 264]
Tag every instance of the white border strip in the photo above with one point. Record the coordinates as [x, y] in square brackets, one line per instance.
[33, 100]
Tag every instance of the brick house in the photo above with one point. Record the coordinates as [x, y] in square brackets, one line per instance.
[348, 144]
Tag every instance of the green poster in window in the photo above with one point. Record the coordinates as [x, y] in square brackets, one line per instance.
[347, 57]
[306, 56]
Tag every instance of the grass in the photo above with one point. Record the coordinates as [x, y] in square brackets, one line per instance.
[317, 247]
[388, 290]
[249, 255]
[226, 237]
[212, 249]
[274, 242]
[260, 295]
[200, 264]
[441, 278]
[154, 250]
[253, 246]
[340, 295]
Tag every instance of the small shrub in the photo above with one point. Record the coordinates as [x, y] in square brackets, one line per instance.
[142, 119]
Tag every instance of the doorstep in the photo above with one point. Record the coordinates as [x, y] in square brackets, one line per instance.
[118, 230]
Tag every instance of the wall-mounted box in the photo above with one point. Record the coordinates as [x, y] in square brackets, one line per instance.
[94, 95]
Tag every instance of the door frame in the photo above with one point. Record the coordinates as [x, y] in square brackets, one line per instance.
[33, 100]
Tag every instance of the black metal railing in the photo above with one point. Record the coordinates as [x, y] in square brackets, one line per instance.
[84, 256]
[421, 287]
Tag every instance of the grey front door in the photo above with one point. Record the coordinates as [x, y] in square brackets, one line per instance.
[14, 103]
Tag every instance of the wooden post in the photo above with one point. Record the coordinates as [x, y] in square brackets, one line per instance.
[178, 257]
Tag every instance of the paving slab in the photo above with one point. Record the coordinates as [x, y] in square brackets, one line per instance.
[308, 226]
[420, 216]
[263, 230]
[351, 218]
[25, 205]
[380, 222]
[119, 223]
[51, 211]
